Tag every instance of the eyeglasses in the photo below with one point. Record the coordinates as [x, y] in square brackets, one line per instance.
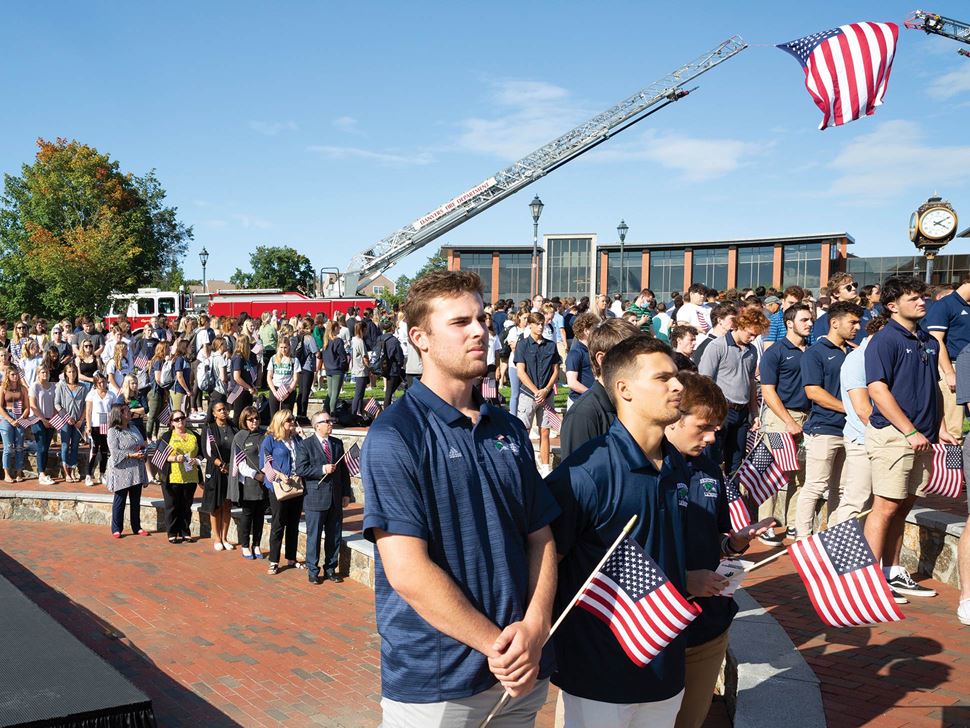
[324, 422]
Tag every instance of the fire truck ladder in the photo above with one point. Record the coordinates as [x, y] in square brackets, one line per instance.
[368, 265]
[940, 25]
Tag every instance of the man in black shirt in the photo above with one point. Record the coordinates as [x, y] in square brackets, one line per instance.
[591, 415]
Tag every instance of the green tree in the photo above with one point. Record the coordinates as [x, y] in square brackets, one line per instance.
[74, 228]
[277, 267]
[438, 261]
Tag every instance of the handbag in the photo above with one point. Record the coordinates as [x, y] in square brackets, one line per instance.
[287, 489]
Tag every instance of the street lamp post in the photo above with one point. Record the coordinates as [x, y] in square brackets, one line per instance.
[621, 230]
[536, 207]
[204, 257]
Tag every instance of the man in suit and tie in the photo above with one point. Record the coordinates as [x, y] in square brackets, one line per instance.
[318, 462]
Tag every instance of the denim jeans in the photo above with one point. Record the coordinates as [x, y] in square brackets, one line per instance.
[729, 442]
[70, 441]
[514, 382]
[132, 494]
[42, 439]
[13, 447]
[360, 387]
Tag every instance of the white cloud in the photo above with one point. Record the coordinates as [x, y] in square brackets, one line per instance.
[252, 221]
[695, 159]
[213, 223]
[893, 159]
[530, 114]
[346, 124]
[272, 128]
[951, 84]
[387, 158]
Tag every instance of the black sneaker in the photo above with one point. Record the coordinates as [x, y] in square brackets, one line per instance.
[791, 533]
[903, 584]
[769, 538]
[898, 598]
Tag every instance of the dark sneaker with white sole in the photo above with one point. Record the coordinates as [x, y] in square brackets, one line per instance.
[769, 538]
[904, 584]
[898, 598]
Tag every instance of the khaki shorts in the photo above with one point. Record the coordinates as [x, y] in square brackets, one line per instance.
[952, 412]
[530, 412]
[897, 470]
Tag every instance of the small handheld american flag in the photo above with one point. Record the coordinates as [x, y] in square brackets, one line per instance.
[141, 361]
[27, 421]
[59, 419]
[782, 446]
[352, 459]
[160, 455]
[165, 416]
[946, 475]
[489, 390]
[257, 347]
[844, 581]
[103, 428]
[282, 392]
[740, 518]
[634, 598]
[552, 418]
[234, 391]
[238, 460]
[760, 474]
[211, 448]
[372, 407]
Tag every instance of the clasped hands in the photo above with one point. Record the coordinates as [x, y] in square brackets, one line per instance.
[514, 656]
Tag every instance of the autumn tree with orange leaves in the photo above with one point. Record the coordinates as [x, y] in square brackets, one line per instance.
[74, 228]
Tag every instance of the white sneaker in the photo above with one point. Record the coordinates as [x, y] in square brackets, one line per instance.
[89, 481]
[45, 479]
[963, 611]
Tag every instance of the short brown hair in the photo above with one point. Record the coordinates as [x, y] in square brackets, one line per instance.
[837, 281]
[701, 397]
[536, 318]
[751, 318]
[607, 334]
[623, 356]
[438, 284]
[681, 331]
[584, 323]
[796, 292]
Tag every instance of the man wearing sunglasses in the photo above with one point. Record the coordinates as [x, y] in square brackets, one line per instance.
[842, 287]
[902, 375]
[319, 461]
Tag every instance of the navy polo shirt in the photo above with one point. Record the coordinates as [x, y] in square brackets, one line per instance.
[472, 492]
[577, 360]
[822, 367]
[540, 358]
[821, 326]
[951, 314]
[781, 367]
[907, 363]
[599, 487]
[706, 519]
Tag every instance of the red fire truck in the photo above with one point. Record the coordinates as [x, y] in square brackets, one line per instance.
[147, 302]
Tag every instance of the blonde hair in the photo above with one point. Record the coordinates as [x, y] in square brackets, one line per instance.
[129, 384]
[118, 356]
[275, 428]
[243, 346]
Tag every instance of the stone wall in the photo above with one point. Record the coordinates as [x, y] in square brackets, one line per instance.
[930, 541]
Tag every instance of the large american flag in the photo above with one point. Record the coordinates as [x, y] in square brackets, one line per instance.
[761, 475]
[846, 68]
[844, 581]
[946, 475]
[637, 602]
[740, 518]
[353, 460]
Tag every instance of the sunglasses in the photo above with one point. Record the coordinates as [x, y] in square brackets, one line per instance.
[288, 420]
[324, 422]
[252, 419]
[178, 419]
[850, 286]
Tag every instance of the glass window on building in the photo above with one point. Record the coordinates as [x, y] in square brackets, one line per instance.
[569, 267]
[710, 267]
[755, 264]
[802, 266]
[666, 273]
[513, 275]
[480, 263]
[632, 271]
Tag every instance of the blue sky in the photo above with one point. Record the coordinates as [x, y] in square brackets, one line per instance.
[328, 127]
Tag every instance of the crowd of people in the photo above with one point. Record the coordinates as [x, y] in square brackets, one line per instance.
[660, 399]
[480, 547]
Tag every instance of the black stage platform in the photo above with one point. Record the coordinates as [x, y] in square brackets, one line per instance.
[48, 678]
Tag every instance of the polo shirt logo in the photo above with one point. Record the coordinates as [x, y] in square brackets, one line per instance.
[453, 454]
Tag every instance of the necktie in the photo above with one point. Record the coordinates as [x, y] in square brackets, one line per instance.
[326, 450]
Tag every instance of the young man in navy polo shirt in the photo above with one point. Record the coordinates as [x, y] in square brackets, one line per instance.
[466, 567]
[579, 368]
[948, 321]
[824, 447]
[786, 409]
[630, 470]
[842, 287]
[537, 363]
[709, 539]
[903, 379]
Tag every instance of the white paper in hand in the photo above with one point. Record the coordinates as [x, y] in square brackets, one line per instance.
[733, 571]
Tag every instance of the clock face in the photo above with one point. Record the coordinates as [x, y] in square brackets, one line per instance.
[913, 229]
[937, 223]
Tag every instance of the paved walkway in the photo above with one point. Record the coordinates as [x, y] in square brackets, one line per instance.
[215, 641]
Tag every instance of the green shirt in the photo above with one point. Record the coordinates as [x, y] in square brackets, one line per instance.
[640, 312]
[267, 334]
